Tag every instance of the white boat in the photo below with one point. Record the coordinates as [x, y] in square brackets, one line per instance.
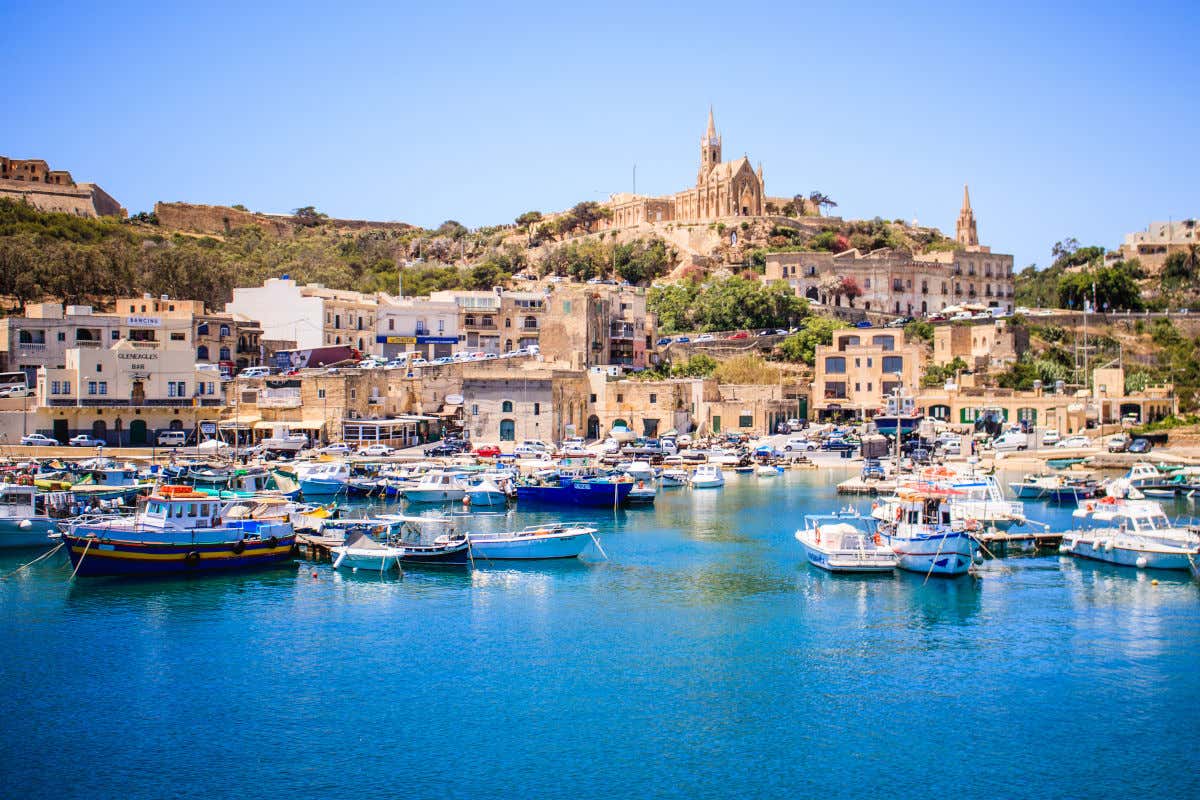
[638, 470]
[486, 493]
[838, 546]
[323, 478]
[545, 541]
[437, 486]
[22, 524]
[919, 527]
[642, 494]
[622, 434]
[363, 552]
[1130, 533]
[673, 477]
[721, 456]
[766, 471]
[282, 439]
[707, 476]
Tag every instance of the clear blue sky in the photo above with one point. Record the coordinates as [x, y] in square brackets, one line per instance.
[1078, 121]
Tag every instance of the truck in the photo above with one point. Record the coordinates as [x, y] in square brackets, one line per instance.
[288, 360]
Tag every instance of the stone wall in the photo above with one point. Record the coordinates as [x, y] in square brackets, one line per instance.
[81, 200]
[220, 220]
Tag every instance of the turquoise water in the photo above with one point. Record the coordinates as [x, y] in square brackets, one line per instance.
[704, 659]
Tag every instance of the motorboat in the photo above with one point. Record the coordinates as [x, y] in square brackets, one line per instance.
[1130, 533]
[673, 477]
[921, 529]
[362, 552]
[486, 493]
[283, 440]
[642, 494]
[182, 531]
[622, 433]
[428, 541]
[1056, 487]
[766, 471]
[323, 478]
[707, 476]
[638, 470]
[900, 415]
[832, 543]
[437, 486]
[24, 519]
[536, 542]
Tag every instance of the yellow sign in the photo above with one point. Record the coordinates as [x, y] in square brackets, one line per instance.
[401, 340]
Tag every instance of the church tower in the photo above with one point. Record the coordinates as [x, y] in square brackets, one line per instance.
[710, 150]
[964, 230]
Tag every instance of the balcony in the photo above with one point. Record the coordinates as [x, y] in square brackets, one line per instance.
[618, 331]
[117, 402]
[31, 347]
[481, 326]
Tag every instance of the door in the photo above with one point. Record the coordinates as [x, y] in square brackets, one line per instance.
[716, 426]
[100, 430]
[593, 427]
[138, 395]
[61, 431]
[137, 433]
[508, 430]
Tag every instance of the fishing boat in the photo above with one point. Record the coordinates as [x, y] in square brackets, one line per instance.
[919, 527]
[568, 489]
[1065, 462]
[537, 542]
[642, 494]
[832, 543]
[486, 493]
[362, 552]
[673, 477]
[707, 476]
[180, 530]
[1056, 488]
[622, 433]
[974, 499]
[24, 521]
[638, 470]
[428, 541]
[1130, 533]
[766, 471]
[323, 478]
[437, 486]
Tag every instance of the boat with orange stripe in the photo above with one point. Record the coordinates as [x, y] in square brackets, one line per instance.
[182, 531]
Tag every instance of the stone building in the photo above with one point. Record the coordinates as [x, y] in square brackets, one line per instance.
[32, 181]
[231, 341]
[310, 315]
[503, 404]
[723, 189]
[497, 321]
[416, 324]
[1152, 246]
[598, 325]
[860, 368]
[983, 346]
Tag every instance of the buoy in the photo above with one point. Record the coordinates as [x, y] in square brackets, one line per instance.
[1141, 562]
[1154, 582]
[314, 573]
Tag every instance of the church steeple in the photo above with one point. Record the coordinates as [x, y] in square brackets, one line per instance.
[964, 230]
[710, 149]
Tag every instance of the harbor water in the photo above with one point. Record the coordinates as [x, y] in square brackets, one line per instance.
[704, 658]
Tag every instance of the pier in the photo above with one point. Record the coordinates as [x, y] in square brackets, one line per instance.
[857, 485]
[1003, 543]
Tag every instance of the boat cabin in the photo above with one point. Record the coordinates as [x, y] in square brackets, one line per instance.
[17, 501]
[180, 507]
[1133, 516]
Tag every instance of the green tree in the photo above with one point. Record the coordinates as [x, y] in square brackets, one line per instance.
[308, 216]
[802, 345]
[1112, 287]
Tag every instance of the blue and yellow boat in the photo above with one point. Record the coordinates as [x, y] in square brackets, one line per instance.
[182, 531]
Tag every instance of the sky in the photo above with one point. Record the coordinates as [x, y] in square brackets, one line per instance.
[1080, 120]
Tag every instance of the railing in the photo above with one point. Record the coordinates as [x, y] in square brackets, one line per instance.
[31, 347]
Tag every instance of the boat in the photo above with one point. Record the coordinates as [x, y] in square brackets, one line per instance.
[486, 494]
[832, 543]
[1055, 487]
[642, 494]
[180, 530]
[899, 414]
[1065, 462]
[766, 471]
[24, 520]
[707, 476]
[536, 542]
[437, 486]
[622, 433]
[1143, 476]
[429, 541]
[919, 527]
[323, 478]
[283, 440]
[1130, 533]
[673, 477]
[566, 489]
[638, 470]
[974, 499]
[362, 552]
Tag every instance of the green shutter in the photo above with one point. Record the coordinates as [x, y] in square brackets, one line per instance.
[716, 424]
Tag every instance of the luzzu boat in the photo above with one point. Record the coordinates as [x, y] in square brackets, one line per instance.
[182, 531]
[919, 527]
[565, 489]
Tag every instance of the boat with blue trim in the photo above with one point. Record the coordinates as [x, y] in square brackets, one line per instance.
[575, 490]
[182, 531]
[24, 517]
[921, 529]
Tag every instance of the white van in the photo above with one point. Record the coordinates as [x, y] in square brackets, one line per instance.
[255, 372]
[1013, 440]
[172, 439]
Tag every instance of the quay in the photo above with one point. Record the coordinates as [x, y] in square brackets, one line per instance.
[315, 547]
[1002, 543]
[857, 485]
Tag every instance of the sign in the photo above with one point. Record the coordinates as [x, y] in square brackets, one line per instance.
[208, 428]
[136, 360]
[143, 322]
[397, 339]
[454, 399]
[437, 340]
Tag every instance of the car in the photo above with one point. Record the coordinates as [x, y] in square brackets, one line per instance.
[526, 451]
[441, 449]
[574, 451]
[610, 446]
[335, 449]
[664, 341]
[171, 439]
[1050, 436]
[486, 451]
[836, 445]
[706, 337]
[1118, 444]
[799, 443]
[794, 424]
[39, 440]
[740, 335]
[949, 447]
[419, 361]
[863, 323]
[16, 391]
[537, 444]
[899, 322]
[375, 450]
[1140, 446]
[768, 332]
[1077, 440]
[1012, 440]
[682, 340]
[83, 440]
[683, 439]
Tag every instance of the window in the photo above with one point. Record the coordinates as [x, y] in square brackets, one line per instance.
[886, 342]
[202, 353]
[835, 390]
[474, 409]
[653, 397]
[91, 387]
[177, 337]
[620, 398]
[537, 409]
[103, 387]
[746, 421]
[835, 365]
[870, 362]
[858, 362]
[320, 394]
[866, 283]
[506, 407]
[224, 353]
[99, 368]
[354, 394]
[66, 387]
[116, 335]
[893, 364]
[54, 387]
[591, 398]
[62, 336]
[857, 387]
[391, 324]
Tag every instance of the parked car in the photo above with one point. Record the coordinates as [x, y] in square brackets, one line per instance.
[795, 425]
[1074, 441]
[486, 451]
[1013, 440]
[838, 445]
[336, 449]
[172, 439]
[574, 451]
[1118, 444]
[664, 341]
[682, 340]
[441, 449]
[39, 440]
[799, 443]
[83, 440]
[16, 391]
[1140, 446]
[1050, 436]
[863, 323]
[899, 322]
[740, 335]
[706, 337]
[375, 450]
[526, 451]
[538, 444]
[255, 372]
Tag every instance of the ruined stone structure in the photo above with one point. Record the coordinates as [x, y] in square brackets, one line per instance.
[723, 189]
[32, 181]
[220, 220]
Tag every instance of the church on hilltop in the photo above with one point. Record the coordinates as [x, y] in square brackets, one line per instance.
[723, 189]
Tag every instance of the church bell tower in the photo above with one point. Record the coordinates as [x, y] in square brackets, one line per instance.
[710, 149]
[964, 229]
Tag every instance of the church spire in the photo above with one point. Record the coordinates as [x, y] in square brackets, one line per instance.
[711, 132]
[964, 230]
[710, 149]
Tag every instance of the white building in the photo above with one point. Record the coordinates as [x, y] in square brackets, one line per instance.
[311, 315]
[416, 324]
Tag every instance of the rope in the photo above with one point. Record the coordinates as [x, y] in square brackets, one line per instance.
[932, 562]
[36, 560]
[81, 558]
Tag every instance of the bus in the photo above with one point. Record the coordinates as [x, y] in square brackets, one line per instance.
[13, 384]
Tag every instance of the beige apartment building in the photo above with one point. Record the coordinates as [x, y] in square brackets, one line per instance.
[598, 325]
[310, 315]
[982, 345]
[496, 321]
[860, 369]
[1152, 246]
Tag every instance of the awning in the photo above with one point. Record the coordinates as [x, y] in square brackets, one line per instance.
[266, 426]
[449, 410]
[308, 425]
[240, 422]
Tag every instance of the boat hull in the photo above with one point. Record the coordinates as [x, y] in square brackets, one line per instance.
[315, 487]
[458, 555]
[14, 533]
[577, 493]
[1096, 550]
[435, 495]
[371, 560]
[95, 557]
[488, 499]
[530, 548]
[937, 554]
